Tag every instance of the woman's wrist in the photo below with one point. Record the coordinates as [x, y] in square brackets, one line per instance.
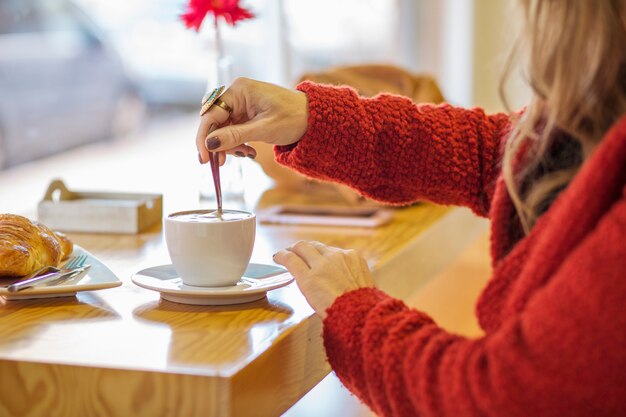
[301, 116]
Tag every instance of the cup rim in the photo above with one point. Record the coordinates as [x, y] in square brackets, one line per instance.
[170, 217]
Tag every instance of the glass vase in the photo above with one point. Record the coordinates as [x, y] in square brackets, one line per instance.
[231, 173]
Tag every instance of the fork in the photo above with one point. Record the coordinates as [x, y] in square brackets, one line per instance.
[73, 262]
[76, 264]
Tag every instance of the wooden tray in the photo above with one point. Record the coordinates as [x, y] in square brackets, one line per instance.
[101, 212]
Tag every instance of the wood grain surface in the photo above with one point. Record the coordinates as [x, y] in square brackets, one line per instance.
[123, 351]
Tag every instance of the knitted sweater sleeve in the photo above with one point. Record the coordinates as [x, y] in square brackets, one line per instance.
[392, 150]
[563, 355]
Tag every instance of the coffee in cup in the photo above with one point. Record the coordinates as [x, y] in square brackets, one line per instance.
[210, 249]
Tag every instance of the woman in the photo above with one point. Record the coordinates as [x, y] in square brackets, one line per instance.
[552, 179]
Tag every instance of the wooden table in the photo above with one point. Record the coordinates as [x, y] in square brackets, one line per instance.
[123, 352]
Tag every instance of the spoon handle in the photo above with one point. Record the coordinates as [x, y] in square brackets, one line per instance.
[214, 159]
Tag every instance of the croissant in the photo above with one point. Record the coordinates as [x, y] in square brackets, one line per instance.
[26, 246]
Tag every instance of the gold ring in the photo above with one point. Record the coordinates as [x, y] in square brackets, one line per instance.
[213, 95]
[209, 99]
[220, 103]
[205, 108]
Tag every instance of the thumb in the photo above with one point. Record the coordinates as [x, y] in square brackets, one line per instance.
[231, 136]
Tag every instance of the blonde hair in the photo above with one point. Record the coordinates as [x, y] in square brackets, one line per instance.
[576, 67]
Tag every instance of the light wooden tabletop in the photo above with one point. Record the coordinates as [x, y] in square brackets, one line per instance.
[123, 351]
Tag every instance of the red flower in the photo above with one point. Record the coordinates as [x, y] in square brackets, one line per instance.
[229, 10]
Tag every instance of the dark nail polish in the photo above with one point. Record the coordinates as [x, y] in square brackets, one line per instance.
[213, 143]
[240, 154]
[199, 157]
[251, 156]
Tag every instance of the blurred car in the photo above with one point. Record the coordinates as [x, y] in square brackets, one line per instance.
[170, 64]
[62, 84]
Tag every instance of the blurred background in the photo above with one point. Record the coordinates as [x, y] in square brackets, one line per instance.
[74, 72]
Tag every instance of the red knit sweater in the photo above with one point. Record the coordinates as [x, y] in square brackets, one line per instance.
[554, 311]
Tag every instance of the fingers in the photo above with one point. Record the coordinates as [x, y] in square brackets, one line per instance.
[323, 249]
[220, 113]
[309, 253]
[204, 128]
[231, 136]
[208, 123]
[215, 117]
[243, 151]
[240, 151]
[294, 264]
[250, 153]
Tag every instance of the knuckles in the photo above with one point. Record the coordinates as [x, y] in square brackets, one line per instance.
[284, 253]
[236, 136]
[301, 244]
[241, 82]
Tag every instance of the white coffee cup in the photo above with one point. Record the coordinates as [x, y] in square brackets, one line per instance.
[210, 251]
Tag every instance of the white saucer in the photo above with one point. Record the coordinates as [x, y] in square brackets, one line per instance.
[256, 281]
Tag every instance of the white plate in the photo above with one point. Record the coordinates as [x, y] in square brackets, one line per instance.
[256, 281]
[98, 277]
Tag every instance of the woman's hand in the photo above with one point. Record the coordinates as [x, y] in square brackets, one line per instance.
[261, 112]
[323, 273]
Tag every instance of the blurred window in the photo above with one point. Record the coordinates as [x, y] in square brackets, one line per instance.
[19, 16]
[326, 33]
[284, 40]
[172, 65]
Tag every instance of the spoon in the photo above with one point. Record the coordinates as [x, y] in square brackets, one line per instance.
[214, 159]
